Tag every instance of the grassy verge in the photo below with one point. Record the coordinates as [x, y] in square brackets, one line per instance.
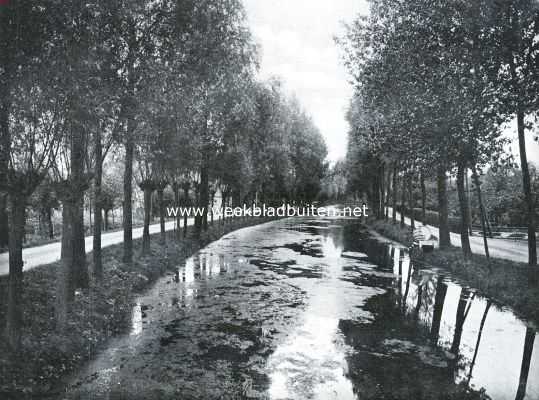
[393, 231]
[99, 313]
[510, 283]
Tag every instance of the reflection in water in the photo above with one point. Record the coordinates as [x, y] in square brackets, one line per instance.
[312, 346]
[526, 360]
[202, 266]
[313, 308]
[136, 320]
[311, 363]
[481, 326]
[481, 339]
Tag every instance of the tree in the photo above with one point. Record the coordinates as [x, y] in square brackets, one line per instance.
[513, 58]
[423, 97]
[29, 130]
[35, 119]
[134, 42]
[44, 201]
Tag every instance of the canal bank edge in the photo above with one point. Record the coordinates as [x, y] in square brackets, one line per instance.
[98, 314]
[510, 283]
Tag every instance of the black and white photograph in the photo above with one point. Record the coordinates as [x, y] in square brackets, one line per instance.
[269, 199]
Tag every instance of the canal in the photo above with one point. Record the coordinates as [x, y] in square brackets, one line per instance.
[313, 309]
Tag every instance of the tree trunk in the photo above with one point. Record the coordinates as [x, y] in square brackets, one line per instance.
[81, 277]
[204, 193]
[375, 193]
[106, 218]
[463, 202]
[423, 200]
[4, 227]
[98, 175]
[90, 212]
[43, 221]
[526, 361]
[161, 205]
[443, 213]
[411, 201]
[481, 213]
[198, 219]
[212, 197]
[223, 206]
[49, 223]
[65, 277]
[176, 190]
[389, 190]
[395, 191]
[530, 203]
[17, 220]
[489, 227]
[77, 187]
[403, 202]
[146, 187]
[382, 189]
[128, 193]
[470, 231]
[187, 204]
[419, 298]
[5, 144]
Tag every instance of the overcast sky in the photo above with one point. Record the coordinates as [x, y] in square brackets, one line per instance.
[296, 39]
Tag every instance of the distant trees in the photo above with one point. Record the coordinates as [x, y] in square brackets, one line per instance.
[97, 96]
[334, 182]
[433, 89]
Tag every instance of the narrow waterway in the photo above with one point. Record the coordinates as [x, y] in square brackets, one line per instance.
[313, 309]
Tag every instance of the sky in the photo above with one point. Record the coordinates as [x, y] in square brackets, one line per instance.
[296, 40]
[297, 45]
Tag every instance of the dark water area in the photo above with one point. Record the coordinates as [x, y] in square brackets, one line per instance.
[313, 309]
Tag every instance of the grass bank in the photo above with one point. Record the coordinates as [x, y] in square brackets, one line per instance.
[99, 313]
[509, 283]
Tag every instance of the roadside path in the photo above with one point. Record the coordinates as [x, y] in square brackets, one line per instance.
[49, 253]
[499, 248]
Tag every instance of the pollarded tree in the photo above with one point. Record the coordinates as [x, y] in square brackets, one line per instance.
[30, 126]
[135, 43]
[45, 201]
[154, 158]
[35, 133]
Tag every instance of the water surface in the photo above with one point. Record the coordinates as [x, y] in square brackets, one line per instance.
[313, 309]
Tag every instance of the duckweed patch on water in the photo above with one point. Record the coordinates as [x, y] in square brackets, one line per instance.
[98, 314]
